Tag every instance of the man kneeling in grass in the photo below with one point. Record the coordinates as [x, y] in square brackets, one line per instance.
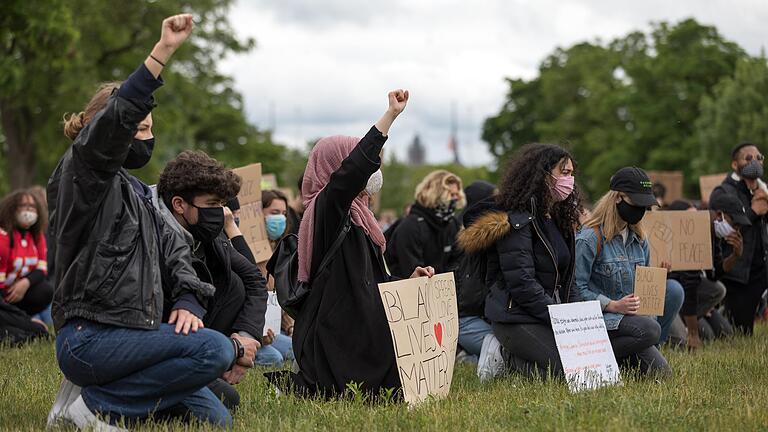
[191, 194]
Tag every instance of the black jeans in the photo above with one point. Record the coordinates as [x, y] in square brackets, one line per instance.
[16, 326]
[529, 349]
[37, 298]
[634, 344]
[742, 300]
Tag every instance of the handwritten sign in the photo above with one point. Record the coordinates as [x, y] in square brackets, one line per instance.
[268, 182]
[583, 344]
[672, 181]
[273, 316]
[650, 287]
[708, 183]
[251, 216]
[424, 323]
[681, 238]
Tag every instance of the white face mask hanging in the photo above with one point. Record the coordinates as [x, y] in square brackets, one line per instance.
[374, 183]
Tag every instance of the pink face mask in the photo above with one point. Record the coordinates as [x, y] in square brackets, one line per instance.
[563, 187]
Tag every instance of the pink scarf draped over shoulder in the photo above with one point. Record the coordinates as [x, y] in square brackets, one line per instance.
[325, 159]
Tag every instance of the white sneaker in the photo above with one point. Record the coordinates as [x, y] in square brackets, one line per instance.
[68, 392]
[491, 363]
[70, 407]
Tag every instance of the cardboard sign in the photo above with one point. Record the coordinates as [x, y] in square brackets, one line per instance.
[681, 238]
[650, 287]
[268, 182]
[672, 180]
[424, 323]
[708, 183]
[583, 344]
[273, 316]
[251, 217]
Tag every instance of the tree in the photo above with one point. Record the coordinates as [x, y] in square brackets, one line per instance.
[737, 111]
[56, 52]
[632, 101]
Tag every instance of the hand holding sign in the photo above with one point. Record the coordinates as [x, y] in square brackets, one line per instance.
[650, 288]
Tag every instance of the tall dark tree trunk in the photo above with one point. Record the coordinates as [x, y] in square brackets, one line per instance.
[20, 155]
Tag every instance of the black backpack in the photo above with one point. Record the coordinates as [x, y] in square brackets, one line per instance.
[284, 268]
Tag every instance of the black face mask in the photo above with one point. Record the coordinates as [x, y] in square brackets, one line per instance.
[629, 213]
[210, 223]
[752, 170]
[139, 153]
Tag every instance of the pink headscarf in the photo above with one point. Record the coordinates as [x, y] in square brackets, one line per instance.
[324, 160]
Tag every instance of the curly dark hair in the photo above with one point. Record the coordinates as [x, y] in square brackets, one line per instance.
[11, 203]
[527, 175]
[194, 173]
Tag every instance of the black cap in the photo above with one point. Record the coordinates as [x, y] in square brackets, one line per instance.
[635, 183]
[730, 205]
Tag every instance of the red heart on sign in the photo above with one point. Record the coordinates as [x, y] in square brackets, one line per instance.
[439, 333]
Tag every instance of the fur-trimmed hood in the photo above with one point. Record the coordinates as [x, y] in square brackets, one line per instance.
[486, 230]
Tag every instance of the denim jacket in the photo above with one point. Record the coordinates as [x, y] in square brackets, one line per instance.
[611, 275]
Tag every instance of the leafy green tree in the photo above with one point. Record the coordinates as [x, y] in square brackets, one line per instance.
[56, 52]
[633, 100]
[737, 111]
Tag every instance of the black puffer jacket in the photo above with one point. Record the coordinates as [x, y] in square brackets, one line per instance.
[471, 289]
[422, 239]
[522, 275]
[114, 254]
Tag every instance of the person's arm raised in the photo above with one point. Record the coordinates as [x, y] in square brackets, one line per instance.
[398, 99]
[175, 31]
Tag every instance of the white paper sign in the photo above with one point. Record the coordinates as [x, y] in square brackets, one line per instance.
[274, 315]
[583, 344]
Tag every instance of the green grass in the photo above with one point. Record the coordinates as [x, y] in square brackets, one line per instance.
[722, 388]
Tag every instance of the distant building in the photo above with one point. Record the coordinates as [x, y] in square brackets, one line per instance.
[416, 152]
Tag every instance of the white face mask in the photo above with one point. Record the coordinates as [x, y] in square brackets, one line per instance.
[26, 218]
[374, 183]
[723, 229]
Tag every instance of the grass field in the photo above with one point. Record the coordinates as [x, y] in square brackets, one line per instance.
[722, 388]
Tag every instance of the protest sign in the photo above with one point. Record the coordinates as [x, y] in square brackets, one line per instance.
[650, 288]
[672, 181]
[273, 316]
[251, 216]
[268, 182]
[583, 344]
[708, 183]
[424, 323]
[681, 238]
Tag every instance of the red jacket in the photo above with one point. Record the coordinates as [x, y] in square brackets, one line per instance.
[21, 256]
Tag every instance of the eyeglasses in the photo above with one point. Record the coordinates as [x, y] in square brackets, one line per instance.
[758, 158]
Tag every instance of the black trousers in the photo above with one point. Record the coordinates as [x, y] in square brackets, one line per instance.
[742, 301]
[16, 326]
[634, 344]
[529, 349]
[37, 298]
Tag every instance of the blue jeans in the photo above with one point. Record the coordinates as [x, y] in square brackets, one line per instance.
[134, 373]
[472, 330]
[673, 301]
[276, 353]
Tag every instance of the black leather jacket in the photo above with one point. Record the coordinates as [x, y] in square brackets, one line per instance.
[115, 257]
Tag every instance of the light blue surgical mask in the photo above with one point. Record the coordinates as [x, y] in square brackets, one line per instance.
[275, 226]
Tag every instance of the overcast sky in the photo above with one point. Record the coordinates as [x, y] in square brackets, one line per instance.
[323, 67]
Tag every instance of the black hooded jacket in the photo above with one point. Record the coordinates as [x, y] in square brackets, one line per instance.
[422, 239]
[755, 237]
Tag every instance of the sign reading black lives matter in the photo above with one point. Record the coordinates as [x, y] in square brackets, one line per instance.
[424, 323]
